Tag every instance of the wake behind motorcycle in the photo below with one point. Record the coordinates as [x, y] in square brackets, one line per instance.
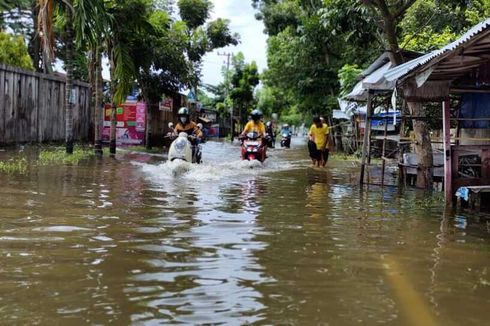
[252, 148]
[185, 148]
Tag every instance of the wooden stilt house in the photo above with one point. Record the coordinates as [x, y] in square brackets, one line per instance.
[460, 71]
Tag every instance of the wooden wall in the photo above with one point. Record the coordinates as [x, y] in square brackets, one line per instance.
[160, 120]
[32, 107]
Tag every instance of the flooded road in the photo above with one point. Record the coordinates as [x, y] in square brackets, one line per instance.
[134, 240]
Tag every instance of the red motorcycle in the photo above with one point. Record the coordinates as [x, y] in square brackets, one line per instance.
[253, 148]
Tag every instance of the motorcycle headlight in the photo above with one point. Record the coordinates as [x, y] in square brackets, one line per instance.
[180, 144]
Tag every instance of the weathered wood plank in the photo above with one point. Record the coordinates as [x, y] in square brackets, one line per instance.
[2, 107]
[32, 107]
[10, 114]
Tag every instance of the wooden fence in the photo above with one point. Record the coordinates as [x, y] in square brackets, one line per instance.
[32, 107]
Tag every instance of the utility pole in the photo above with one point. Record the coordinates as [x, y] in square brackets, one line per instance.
[227, 55]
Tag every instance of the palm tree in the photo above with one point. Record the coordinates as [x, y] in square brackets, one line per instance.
[92, 34]
[80, 18]
[46, 33]
[130, 21]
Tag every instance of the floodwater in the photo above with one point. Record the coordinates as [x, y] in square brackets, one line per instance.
[135, 240]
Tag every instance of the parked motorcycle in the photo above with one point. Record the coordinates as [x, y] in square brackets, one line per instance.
[185, 148]
[252, 148]
[286, 140]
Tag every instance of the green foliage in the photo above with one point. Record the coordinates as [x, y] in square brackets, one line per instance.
[428, 40]
[58, 156]
[13, 51]
[201, 39]
[309, 42]
[278, 15]
[160, 55]
[348, 77]
[14, 166]
[293, 117]
[316, 49]
[14, 15]
[431, 24]
[129, 24]
[244, 79]
[194, 12]
[219, 34]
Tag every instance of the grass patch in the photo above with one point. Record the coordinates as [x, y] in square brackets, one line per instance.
[59, 156]
[345, 157]
[14, 166]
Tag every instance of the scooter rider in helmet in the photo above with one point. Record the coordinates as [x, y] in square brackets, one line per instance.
[184, 124]
[254, 125]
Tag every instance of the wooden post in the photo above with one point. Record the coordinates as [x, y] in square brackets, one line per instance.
[448, 178]
[367, 130]
[401, 147]
[149, 118]
[383, 159]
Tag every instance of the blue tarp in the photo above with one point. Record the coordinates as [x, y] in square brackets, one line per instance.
[379, 119]
[475, 106]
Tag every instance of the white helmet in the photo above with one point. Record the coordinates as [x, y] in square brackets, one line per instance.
[170, 124]
[199, 125]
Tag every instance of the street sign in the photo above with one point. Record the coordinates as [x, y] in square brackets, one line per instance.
[166, 105]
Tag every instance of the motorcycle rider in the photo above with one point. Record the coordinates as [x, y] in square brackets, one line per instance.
[286, 136]
[286, 130]
[254, 125]
[185, 124]
[257, 126]
[269, 130]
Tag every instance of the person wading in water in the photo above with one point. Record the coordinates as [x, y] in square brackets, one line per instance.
[318, 141]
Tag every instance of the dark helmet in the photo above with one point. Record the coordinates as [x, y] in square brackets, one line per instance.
[183, 111]
[256, 115]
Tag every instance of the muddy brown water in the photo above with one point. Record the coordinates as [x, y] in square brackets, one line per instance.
[135, 240]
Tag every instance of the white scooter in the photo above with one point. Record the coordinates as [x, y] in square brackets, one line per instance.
[184, 148]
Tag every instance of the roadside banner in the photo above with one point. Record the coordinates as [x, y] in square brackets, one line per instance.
[130, 126]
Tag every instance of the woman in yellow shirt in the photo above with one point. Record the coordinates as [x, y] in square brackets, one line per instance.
[319, 136]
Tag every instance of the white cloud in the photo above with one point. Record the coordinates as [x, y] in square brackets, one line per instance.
[252, 39]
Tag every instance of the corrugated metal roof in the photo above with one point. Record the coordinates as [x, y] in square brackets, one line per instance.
[339, 114]
[358, 93]
[403, 69]
[376, 80]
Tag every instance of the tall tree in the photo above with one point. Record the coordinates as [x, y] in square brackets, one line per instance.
[130, 21]
[244, 79]
[163, 65]
[203, 37]
[309, 41]
[46, 32]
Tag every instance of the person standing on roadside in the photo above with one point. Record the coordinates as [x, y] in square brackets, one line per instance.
[318, 142]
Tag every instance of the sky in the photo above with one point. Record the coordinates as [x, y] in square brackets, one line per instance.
[253, 42]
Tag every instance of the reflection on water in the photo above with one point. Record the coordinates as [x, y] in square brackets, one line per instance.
[136, 240]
